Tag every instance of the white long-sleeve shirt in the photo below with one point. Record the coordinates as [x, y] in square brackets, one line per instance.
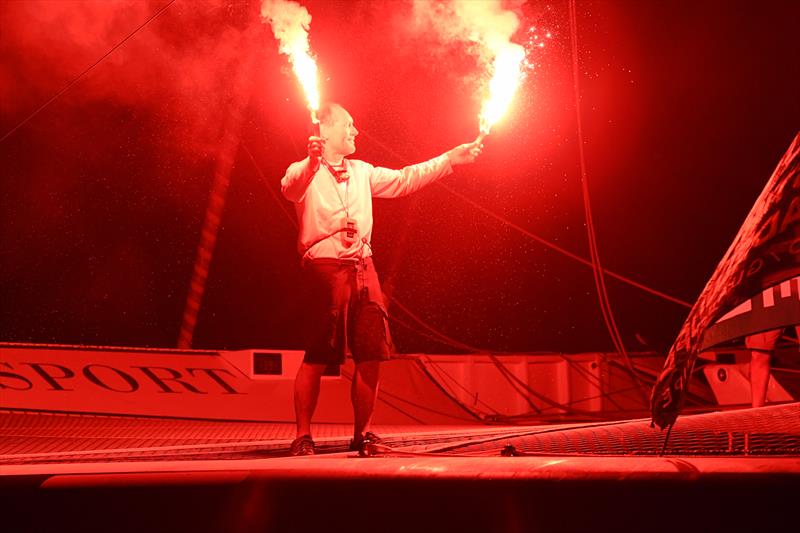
[320, 201]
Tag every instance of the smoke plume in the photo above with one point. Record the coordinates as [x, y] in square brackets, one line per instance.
[176, 69]
[290, 22]
[485, 26]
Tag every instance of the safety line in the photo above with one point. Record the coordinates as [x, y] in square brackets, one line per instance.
[82, 74]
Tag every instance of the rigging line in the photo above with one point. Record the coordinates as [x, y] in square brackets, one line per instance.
[561, 250]
[605, 304]
[452, 342]
[603, 298]
[533, 236]
[576, 366]
[602, 294]
[269, 189]
[510, 377]
[608, 396]
[591, 379]
[513, 378]
[501, 367]
[420, 333]
[432, 364]
[546, 399]
[442, 338]
[82, 74]
[476, 415]
[497, 363]
[569, 408]
[602, 289]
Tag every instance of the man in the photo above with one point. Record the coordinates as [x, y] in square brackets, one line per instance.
[333, 201]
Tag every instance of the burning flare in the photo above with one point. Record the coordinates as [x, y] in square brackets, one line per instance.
[290, 22]
[506, 77]
[486, 27]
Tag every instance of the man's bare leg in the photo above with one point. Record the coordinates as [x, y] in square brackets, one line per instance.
[306, 394]
[363, 394]
[759, 377]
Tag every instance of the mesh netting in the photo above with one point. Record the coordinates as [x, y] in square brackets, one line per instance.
[28, 438]
[766, 431]
[32, 438]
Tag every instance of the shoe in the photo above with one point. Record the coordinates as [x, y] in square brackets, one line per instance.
[362, 445]
[302, 446]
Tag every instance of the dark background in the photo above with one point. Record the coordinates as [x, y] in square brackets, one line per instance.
[687, 107]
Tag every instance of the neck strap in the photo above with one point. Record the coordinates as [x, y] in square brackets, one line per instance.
[340, 175]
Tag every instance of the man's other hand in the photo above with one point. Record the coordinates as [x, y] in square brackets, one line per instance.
[465, 153]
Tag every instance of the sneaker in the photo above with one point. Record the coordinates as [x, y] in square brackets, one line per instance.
[302, 446]
[362, 445]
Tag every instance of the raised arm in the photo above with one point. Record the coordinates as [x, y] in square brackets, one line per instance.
[300, 174]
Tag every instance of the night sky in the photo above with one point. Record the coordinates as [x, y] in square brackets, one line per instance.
[687, 106]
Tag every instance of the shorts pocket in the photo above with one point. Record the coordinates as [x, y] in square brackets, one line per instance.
[371, 337]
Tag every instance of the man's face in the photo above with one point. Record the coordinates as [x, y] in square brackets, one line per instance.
[340, 132]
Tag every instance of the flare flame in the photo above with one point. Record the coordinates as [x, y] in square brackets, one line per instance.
[290, 22]
[486, 28]
[506, 77]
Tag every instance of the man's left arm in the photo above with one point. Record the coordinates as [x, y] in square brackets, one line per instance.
[387, 183]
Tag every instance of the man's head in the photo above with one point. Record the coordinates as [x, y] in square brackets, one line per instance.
[336, 127]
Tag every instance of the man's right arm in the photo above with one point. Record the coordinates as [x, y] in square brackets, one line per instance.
[298, 177]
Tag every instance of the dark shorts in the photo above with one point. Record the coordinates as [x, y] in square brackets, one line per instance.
[346, 310]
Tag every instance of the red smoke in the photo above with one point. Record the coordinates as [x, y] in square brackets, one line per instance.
[178, 67]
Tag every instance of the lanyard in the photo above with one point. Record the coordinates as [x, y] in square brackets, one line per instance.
[340, 176]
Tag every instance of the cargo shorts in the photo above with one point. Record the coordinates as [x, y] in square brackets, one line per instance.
[346, 311]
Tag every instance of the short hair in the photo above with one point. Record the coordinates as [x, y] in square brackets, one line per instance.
[325, 112]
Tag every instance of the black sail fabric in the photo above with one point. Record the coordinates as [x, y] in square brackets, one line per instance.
[765, 252]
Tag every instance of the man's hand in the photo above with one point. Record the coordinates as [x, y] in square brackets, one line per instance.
[315, 147]
[465, 153]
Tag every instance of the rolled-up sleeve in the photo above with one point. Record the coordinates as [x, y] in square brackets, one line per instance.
[388, 183]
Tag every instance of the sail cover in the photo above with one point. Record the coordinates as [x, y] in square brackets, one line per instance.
[764, 254]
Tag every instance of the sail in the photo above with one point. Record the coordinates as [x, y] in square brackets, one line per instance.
[765, 253]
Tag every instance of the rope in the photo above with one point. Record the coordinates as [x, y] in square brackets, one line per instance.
[85, 72]
[602, 292]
